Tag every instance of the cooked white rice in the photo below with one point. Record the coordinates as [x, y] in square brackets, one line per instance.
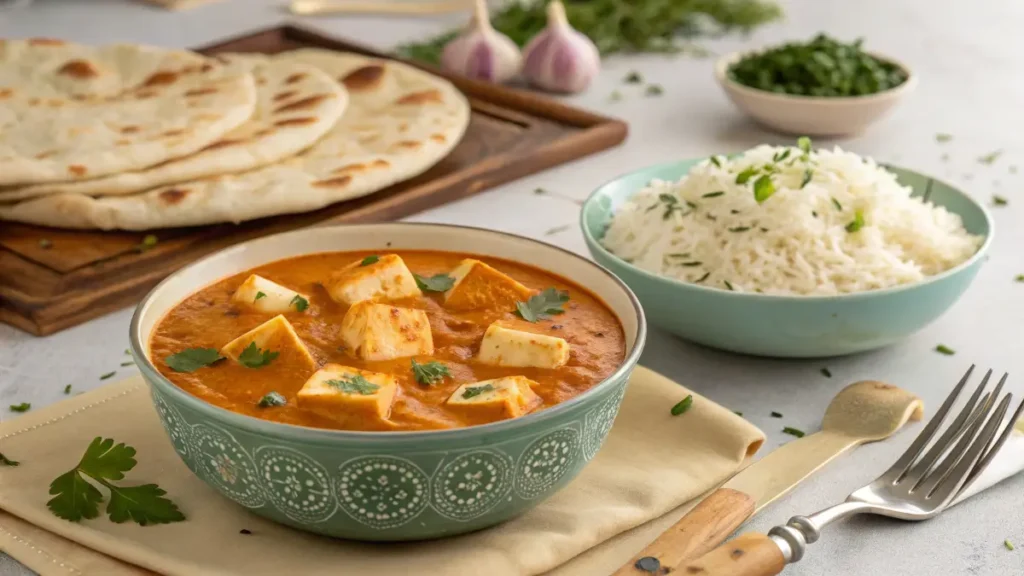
[797, 240]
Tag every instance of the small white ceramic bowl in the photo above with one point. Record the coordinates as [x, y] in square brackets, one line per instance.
[811, 115]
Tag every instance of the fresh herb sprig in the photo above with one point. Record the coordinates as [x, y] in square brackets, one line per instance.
[253, 357]
[473, 391]
[430, 373]
[618, 26]
[682, 406]
[542, 306]
[75, 497]
[354, 384]
[435, 283]
[192, 359]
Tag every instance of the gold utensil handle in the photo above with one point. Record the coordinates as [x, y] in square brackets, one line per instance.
[308, 7]
[751, 554]
[702, 528]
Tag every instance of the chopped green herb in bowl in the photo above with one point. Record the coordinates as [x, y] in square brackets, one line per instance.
[823, 87]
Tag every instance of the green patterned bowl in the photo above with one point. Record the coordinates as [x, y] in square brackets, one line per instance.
[388, 485]
[787, 326]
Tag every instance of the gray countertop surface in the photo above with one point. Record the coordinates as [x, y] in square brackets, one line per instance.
[967, 55]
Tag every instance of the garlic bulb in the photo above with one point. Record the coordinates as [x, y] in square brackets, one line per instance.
[560, 59]
[482, 52]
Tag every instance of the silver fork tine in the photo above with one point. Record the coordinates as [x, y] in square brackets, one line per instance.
[958, 427]
[953, 479]
[981, 412]
[900, 467]
[991, 451]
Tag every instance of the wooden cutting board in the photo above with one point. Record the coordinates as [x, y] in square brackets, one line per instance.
[51, 279]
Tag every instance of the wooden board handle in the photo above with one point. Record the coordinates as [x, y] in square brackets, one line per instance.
[751, 554]
[703, 528]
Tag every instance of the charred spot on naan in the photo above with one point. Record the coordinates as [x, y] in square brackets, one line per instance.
[308, 102]
[295, 121]
[77, 170]
[161, 79]
[333, 182]
[201, 91]
[284, 95]
[173, 196]
[295, 78]
[45, 42]
[45, 155]
[224, 143]
[6, 93]
[130, 129]
[145, 94]
[360, 167]
[432, 96]
[54, 103]
[406, 145]
[364, 78]
[80, 69]
[439, 138]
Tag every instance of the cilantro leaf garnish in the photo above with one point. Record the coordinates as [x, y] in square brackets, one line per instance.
[857, 223]
[793, 432]
[837, 204]
[258, 296]
[300, 303]
[713, 194]
[998, 200]
[75, 498]
[253, 357]
[808, 175]
[370, 260]
[943, 349]
[67, 389]
[683, 405]
[192, 359]
[763, 188]
[272, 399]
[472, 391]
[108, 375]
[714, 160]
[23, 407]
[354, 384]
[435, 283]
[5, 461]
[746, 175]
[543, 305]
[429, 373]
[633, 77]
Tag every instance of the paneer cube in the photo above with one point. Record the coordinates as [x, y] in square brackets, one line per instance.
[274, 335]
[477, 285]
[342, 394]
[263, 295]
[503, 346]
[373, 331]
[387, 278]
[497, 399]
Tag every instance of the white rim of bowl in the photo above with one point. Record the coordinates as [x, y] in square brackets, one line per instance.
[722, 69]
[309, 434]
[594, 244]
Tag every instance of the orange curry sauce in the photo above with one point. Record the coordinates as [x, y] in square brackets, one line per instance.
[209, 319]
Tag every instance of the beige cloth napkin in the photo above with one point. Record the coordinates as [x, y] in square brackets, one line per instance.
[651, 464]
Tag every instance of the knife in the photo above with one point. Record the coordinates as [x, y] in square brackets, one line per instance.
[862, 412]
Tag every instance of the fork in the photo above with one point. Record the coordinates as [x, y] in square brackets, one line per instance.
[916, 487]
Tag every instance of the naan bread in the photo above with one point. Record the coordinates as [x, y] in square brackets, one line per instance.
[400, 121]
[70, 112]
[295, 105]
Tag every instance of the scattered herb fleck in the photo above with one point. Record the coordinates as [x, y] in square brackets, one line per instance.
[129, 363]
[780, 156]
[814, 213]
[804, 144]
[837, 204]
[702, 278]
[714, 160]
[5, 461]
[354, 384]
[108, 375]
[615, 96]
[253, 357]
[258, 296]
[543, 305]
[472, 391]
[713, 194]
[148, 242]
[75, 498]
[45, 244]
[808, 175]
[1019, 278]
[691, 264]
[744, 176]
[998, 200]
[683, 405]
[245, 531]
[763, 188]
[435, 283]
[990, 158]
[557, 230]
[826, 372]
[943, 349]
[776, 414]
[1008, 544]
[192, 359]
[857, 223]
[430, 373]
[300, 303]
[738, 413]
[67, 389]
[943, 138]
[633, 77]
[654, 90]
[793, 432]
[23, 407]
[728, 284]
[272, 399]
[373, 258]
[739, 229]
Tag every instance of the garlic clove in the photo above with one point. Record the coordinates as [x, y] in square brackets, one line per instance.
[481, 52]
[560, 59]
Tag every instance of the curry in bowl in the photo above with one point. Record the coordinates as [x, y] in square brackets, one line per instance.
[402, 341]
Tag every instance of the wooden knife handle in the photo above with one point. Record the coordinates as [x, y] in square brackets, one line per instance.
[750, 554]
[703, 528]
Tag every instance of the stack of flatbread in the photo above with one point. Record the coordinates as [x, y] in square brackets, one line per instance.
[135, 138]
